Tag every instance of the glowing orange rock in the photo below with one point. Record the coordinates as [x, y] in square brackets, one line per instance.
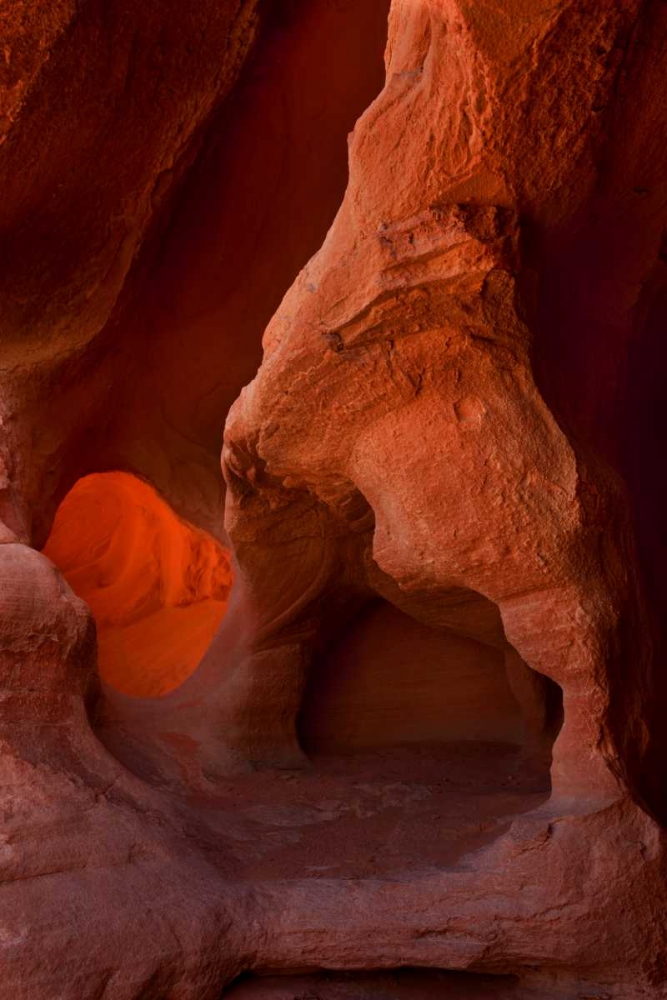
[157, 586]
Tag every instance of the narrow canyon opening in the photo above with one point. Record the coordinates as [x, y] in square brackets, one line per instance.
[157, 586]
[406, 983]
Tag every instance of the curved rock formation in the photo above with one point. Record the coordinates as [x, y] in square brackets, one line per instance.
[158, 588]
[428, 730]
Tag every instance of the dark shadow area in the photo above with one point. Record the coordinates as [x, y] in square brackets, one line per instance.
[399, 984]
[394, 685]
[643, 429]
[250, 211]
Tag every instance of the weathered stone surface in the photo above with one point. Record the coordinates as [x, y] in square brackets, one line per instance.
[428, 732]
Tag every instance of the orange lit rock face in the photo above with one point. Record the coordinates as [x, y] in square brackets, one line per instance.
[157, 587]
[428, 732]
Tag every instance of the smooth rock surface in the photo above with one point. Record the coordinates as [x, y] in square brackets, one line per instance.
[158, 587]
[403, 985]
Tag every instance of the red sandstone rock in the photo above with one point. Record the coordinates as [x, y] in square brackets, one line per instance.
[143, 574]
[428, 732]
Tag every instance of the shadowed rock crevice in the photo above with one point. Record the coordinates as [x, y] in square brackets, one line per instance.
[391, 681]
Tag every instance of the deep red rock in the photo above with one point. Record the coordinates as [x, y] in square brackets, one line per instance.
[428, 732]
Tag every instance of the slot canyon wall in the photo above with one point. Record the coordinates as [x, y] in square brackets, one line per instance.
[331, 506]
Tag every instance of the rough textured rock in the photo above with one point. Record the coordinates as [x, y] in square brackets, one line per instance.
[428, 732]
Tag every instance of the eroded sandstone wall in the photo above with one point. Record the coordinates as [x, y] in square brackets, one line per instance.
[454, 413]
